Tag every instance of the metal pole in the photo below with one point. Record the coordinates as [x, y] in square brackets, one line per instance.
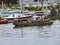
[21, 4]
[42, 5]
[38, 2]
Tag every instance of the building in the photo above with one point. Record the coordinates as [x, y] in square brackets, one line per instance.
[38, 2]
[33, 2]
[41, 3]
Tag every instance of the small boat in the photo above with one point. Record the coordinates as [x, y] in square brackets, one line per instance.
[3, 21]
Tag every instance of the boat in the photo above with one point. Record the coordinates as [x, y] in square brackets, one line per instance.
[19, 17]
[3, 21]
[8, 13]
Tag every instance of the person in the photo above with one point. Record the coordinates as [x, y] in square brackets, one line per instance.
[47, 12]
[56, 10]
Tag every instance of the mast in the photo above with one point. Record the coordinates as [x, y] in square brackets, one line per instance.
[38, 2]
[42, 5]
[21, 5]
[2, 5]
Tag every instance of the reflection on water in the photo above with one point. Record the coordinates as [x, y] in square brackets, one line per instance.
[30, 35]
[7, 30]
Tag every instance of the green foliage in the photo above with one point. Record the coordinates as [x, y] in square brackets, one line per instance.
[38, 8]
[53, 12]
[11, 5]
[30, 8]
[35, 0]
[34, 23]
[54, 17]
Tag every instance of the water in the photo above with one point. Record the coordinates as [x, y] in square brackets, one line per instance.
[42, 35]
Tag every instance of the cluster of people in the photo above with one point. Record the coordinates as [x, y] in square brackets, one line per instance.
[51, 9]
